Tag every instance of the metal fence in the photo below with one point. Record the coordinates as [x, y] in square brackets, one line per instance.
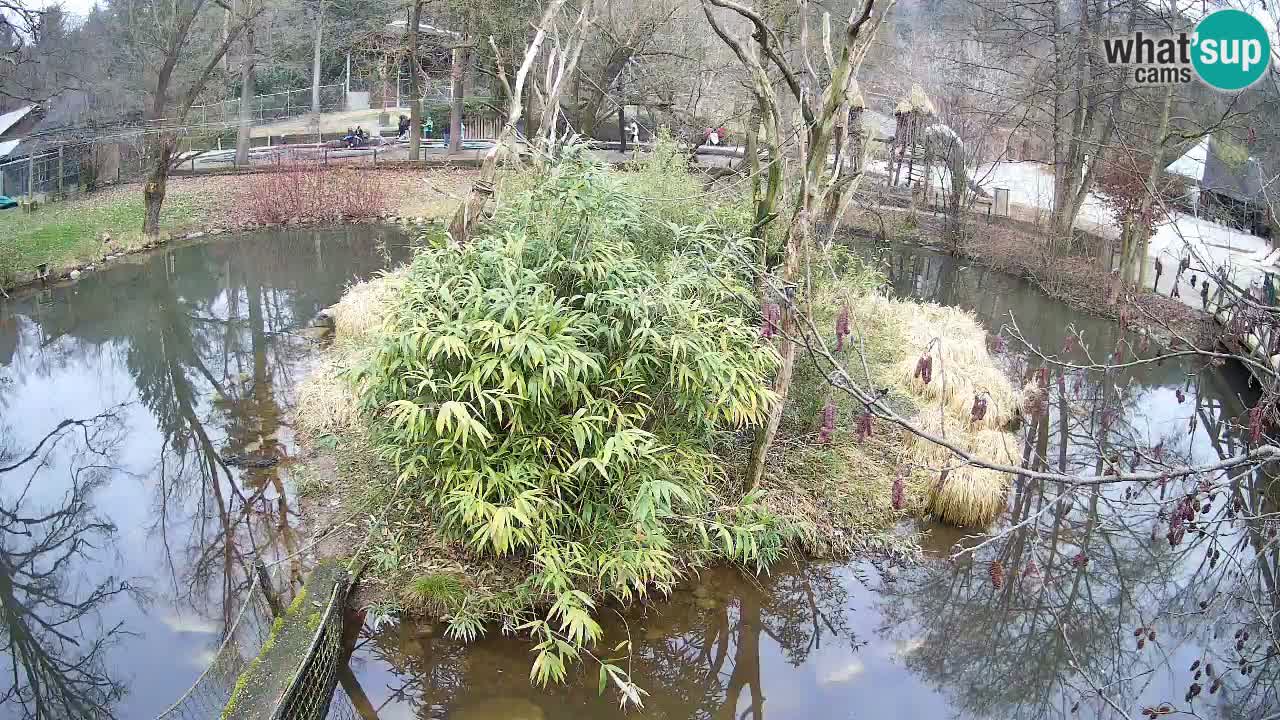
[52, 173]
[396, 93]
[274, 106]
[306, 690]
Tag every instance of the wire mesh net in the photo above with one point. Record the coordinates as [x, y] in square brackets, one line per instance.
[48, 173]
[242, 642]
[308, 697]
[246, 679]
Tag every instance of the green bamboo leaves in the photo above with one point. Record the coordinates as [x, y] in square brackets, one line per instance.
[556, 391]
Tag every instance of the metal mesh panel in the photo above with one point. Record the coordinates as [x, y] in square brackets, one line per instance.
[309, 695]
[212, 690]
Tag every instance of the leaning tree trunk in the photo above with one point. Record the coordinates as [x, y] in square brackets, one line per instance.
[246, 101]
[473, 206]
[161, 153]
[415, 85]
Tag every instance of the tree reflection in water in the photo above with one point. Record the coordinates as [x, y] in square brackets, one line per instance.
[1086, 607]
[699, 654]
[53, 637]
[201, 339]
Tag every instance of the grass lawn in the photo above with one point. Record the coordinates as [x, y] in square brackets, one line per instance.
[64, 234]
[69, 234]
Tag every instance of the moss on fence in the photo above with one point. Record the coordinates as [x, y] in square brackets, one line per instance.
[262, 684]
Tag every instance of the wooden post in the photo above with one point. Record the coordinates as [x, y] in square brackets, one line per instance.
[60, 166]
[31, 177]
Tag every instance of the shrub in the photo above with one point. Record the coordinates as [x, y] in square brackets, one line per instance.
[553, 390]
[312, 192]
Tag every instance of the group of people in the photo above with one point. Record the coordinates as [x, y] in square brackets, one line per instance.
[404, 127]
[359, 137]
[715, 136]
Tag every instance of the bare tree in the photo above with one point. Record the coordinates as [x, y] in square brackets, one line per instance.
[164, 37]
[819, 111]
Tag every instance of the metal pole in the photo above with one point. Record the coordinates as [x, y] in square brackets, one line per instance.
[622, 131]
[31, 177]
[60, 190]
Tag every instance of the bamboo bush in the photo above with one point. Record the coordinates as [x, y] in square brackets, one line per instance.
[552, 390]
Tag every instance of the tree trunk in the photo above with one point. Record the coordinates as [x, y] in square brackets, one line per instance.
[532, 114]
[456, 75]
[153, 192]
[472, 207]
[415, 85]
[246, 100]
[796, 243]
[315, 68]
[1153, 185]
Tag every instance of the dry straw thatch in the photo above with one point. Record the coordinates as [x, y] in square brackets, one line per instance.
[327, 402]
[963, 369]
[362, 310]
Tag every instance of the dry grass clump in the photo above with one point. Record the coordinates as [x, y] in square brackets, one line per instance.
[963, 368]
[843, 492]
[963, 495]
[361, 312]
[845, 487]
[327, 401]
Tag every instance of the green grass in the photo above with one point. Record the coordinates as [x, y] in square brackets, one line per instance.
[64, 234]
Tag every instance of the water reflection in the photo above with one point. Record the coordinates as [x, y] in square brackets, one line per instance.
[142, 546]
[1040, 624]
[50, 630]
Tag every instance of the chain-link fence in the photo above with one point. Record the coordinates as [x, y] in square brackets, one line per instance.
[395, 93]
[309, 695]
[273, 106]
[212, 691]
[276, 663]
[56, 172]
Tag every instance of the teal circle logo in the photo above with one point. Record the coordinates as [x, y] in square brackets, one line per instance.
[1232, 49]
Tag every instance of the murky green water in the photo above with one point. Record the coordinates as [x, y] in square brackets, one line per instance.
[125, 538]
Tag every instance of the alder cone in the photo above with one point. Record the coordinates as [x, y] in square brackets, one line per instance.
[996, 571]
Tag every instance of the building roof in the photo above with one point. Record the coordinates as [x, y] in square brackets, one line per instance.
[1242, 181]
[1191, 164]
[1211, 164]
[12, 117]
[7, 146]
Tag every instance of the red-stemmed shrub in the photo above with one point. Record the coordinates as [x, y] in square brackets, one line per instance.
[310, 192]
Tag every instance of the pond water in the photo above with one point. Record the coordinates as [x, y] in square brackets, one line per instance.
[126, 537]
